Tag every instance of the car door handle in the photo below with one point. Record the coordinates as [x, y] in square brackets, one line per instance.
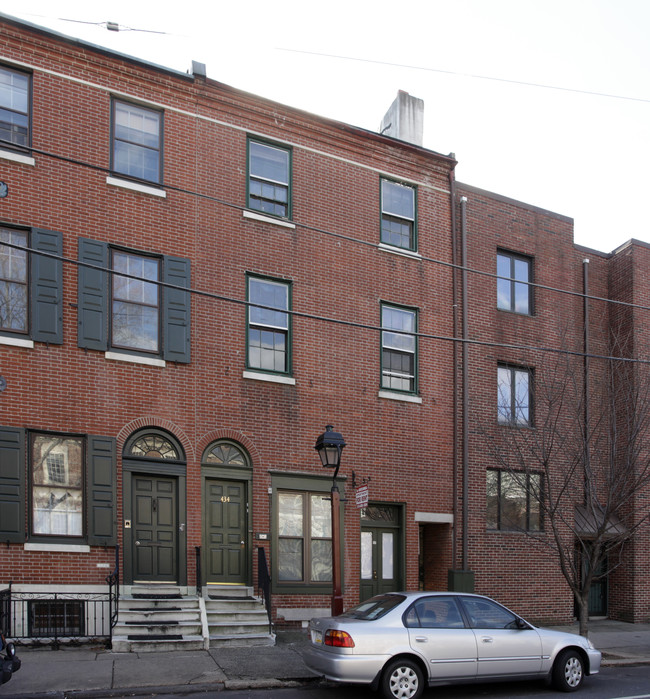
[487, 639]
[421, 639]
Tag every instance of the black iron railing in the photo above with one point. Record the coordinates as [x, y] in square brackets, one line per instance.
[264, 581]
[113, 581]
[198, 570]
[5, 608]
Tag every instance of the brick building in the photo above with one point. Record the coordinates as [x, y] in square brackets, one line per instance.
[195, 281]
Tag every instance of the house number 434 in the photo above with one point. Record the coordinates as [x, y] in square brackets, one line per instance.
[225, 498]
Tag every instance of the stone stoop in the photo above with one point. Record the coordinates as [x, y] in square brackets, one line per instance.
[158, 618]
[235, 617]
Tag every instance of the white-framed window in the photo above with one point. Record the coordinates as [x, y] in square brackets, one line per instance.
[268, 325]
[15, 104]
[398, 348]
[57, 465]
[398, 215]
[137, 142]
[269, 179]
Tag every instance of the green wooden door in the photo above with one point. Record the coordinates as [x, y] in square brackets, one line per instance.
[379, 561]
[226, 556]
[155, 529]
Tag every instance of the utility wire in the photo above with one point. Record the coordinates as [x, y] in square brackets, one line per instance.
[469, 75]
[342, 236]
[327, 319]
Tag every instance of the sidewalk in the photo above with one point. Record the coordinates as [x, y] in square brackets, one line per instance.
[92, 671]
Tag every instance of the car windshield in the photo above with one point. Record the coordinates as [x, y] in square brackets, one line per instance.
[375, 607]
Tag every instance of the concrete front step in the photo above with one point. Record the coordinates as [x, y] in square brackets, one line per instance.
[228, 591]
[261, 639]
[123, 644]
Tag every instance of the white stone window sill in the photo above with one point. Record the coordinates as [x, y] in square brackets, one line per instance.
[268, 219]
[17, 342]
[62, 548]
[272, 378]
[135, 359]
[136, 187]
[17, 157]
[400, 251]
[404, 397]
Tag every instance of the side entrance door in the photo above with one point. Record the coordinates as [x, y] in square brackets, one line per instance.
[381, 559]
[155, 528]
[226, 558]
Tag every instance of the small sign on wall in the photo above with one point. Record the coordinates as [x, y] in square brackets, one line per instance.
[362, 496]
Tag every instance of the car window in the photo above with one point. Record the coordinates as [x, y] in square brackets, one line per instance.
[375, 607]
[486, 614]
[434, 613]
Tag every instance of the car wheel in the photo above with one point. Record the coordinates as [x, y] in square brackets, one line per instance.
[568, 671]
[402, 679]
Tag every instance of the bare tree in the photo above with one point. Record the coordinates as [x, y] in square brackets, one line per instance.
[583, 462]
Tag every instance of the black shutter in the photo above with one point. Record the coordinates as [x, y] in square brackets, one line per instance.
[176, 309]
[100, 491]
[12, 485]
[92, 318]
[46, 287]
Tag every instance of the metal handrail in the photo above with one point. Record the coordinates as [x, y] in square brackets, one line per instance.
[264, 581]
[113, 580]
[198, 570]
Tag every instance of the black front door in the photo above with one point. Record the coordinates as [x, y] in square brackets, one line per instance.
[155, 529]
[225, 531]
[380, 564]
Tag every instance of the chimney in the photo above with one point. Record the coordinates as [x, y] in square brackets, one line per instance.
[404, 119]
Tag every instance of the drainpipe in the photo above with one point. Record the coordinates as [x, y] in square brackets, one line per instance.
[585, 382]
[454, 262]
[465, 379]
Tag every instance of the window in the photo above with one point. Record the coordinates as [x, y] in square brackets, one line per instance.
[487, 614]
[56, 618]
[436, 612]
[13, 281]
[136, 303]
[398, 348]
[304, 537]
[268, 328]
[513, 501]
[137, 142]
[513, 283]
[31, 296]
[269, 170]
[134, 313]
[57, 485]
[514, 395]
[15, 101]
[398, 215]
[62, 481]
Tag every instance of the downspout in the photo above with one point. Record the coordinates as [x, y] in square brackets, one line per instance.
[455, 431]
[585, 382]
[465, 383]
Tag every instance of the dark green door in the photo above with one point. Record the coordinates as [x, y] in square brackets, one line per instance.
[598, 592]
[225, 535]
[155, 529]
[379, 561]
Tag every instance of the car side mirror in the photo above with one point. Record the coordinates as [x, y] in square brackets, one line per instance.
[521, 624]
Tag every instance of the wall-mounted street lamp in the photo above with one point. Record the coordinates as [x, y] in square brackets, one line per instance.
[329, 446]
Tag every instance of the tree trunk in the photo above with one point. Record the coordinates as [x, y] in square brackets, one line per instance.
[583, 614]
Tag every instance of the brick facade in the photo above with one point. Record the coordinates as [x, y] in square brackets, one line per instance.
[407, 444]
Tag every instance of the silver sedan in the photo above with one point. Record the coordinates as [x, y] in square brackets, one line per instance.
[401, 642]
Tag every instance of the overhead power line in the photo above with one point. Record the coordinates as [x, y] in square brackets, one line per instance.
[476, 76]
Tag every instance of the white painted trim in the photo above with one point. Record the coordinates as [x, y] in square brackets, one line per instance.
[59, 548]
[434, 517]
[136, 187]
[399, 251]
[135, 359]
[405, 397]
[273, 378]
[17, 157]
[168, 108]
[268, 219]
[16, 342]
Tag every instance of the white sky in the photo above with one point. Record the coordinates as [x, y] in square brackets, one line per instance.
[581, 155]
